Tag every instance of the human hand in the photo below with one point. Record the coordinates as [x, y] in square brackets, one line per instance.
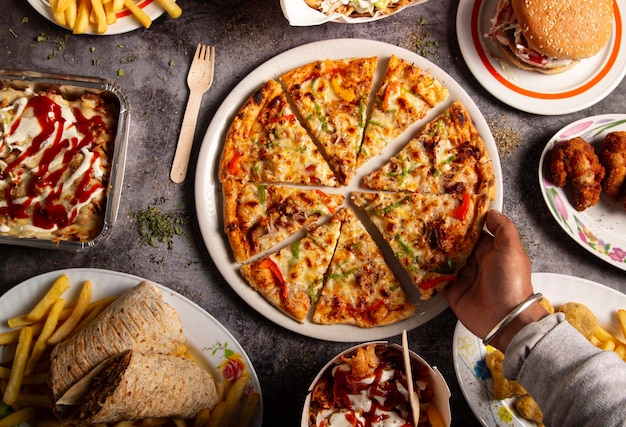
[496, 278]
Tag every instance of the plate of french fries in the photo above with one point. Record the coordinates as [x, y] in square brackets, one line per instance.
[105, 17]
[46, 309]
[486, 392]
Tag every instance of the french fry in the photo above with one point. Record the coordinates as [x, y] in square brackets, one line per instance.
[118, 5]
[202, 418]
[171, 8]
[82, 17]
[603, 335]
[248, 410]
[70, 323]
[109, 9]
[36, 400]
[179, 422]
[70, 14]
[93, 310]
[5, 373]
[138, 13]
[41, 308]
[57, 13]
[18, 417]
[217, 415]
[234, 396]
[46, 332]
[434, 416]
[101, 18]
[9, 337]
[22, 353]
[621, 317]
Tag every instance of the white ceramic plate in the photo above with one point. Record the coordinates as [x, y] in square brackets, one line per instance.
[125, 20]
[299, 14]
[468, 351]
[206, 337]
[208, 194]
[601, 229]
[573, 90]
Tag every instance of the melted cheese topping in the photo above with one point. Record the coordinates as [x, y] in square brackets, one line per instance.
[54, 164]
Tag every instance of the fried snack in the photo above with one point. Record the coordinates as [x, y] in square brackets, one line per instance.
[613, 158]
[545, 303]
[580, 317]
[503, 388]
[575, 160]
[529, 409]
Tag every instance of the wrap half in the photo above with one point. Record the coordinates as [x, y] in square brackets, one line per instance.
[133, 386]
[139, 320]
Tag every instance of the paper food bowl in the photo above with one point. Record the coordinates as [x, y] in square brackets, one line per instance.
[74, 86]
[439, 396]
[300, 14]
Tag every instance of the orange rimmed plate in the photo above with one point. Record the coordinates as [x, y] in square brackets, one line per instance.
[580, 87]
[126, 22]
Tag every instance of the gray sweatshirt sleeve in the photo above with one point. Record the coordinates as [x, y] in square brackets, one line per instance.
[574, 383]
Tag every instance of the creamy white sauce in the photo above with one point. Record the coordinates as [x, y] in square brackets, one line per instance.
[360, 6]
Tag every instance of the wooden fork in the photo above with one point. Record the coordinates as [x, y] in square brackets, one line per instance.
[199, 80]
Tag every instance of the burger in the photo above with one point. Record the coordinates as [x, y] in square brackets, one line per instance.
[551, 36]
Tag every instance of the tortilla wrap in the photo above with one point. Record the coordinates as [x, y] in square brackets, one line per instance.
[134, 385]
[139, 320]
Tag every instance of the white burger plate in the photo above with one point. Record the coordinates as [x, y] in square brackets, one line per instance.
[600, 229]
[468, 351]
[580, 87]
[126, 22]
[209, 340]
[208, 190]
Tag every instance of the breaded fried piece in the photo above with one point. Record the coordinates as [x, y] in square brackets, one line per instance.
[529, 409]
[613, 158]
[503, 388]
[580, 317]
[575, 160]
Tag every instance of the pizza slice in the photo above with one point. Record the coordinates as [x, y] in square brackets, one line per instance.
[266, 143]
[360, 288]
[431, 235]
[405, 95]
[331, 96]
[258, 216]
[291, 278]
[448, 155]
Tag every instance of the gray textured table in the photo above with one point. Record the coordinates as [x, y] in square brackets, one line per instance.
[155, 63]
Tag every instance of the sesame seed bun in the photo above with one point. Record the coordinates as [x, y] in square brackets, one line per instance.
[565, 29]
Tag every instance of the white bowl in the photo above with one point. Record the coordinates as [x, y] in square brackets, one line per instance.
[441, 391]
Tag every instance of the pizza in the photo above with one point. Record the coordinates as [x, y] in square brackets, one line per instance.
[404, 96]
[258, 216]
[431, 235]
[331, 96]
[447, 156]
[308, 131]
[290, 279]
[360, 288]
[266, 143]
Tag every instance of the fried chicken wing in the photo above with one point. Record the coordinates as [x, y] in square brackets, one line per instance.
[613, 158]
[576, 161]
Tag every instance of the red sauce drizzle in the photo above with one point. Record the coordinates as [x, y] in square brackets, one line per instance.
[51, 212]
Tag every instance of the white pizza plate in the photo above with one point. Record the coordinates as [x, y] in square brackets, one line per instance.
[300, 14]
[468, 351]
[601, 229]
[125, 23]
[208, 195]
[580, 87]
[210, 342]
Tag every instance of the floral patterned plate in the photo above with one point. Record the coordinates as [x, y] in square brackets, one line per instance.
[601, 229]
[207, 339]
[468, 351]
